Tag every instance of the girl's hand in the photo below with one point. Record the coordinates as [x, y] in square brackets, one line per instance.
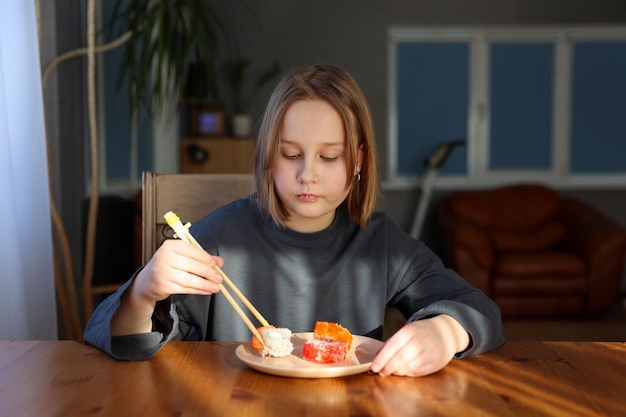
[421, 347]
[177, 267]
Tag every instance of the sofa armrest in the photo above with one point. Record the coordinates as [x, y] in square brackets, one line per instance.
[602, 243]
[470, 250]
[592, 234]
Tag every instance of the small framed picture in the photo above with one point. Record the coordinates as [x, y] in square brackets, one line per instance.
[207, 120]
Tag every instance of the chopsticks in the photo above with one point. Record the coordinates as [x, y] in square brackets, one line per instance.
[182, 233]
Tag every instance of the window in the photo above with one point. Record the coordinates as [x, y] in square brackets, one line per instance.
[598, 141]
[531, 103]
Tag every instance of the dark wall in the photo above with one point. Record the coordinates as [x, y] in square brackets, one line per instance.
[353, 33]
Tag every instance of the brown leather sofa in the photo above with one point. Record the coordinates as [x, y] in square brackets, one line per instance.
[534, 252]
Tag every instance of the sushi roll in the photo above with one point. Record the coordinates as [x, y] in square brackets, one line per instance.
[323, 351]
[276, 342]
[325, 330]
[331, 343]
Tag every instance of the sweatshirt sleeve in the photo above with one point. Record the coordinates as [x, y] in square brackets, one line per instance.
[131, 347]
[482, 323]
[426, 288]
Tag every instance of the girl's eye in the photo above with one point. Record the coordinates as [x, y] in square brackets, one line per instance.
[294, 156]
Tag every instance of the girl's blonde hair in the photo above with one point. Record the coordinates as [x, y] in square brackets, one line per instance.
[335, 86]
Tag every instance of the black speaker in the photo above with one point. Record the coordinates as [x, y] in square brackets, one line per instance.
[113, 260]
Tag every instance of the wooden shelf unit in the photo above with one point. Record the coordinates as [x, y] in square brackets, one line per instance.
[215, 155]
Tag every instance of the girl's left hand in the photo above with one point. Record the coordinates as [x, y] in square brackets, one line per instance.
[421, 347]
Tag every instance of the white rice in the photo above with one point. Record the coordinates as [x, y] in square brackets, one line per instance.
[277, 342]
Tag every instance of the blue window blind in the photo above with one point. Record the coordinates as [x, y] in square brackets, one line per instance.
[432, 103]
[599, 108]
[521, 96]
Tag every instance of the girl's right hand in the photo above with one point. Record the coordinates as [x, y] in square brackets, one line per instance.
[178, 267]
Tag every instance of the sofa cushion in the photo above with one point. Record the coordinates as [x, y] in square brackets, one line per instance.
[557, 263]
[540, 285]
[544, 237]
[512, 208]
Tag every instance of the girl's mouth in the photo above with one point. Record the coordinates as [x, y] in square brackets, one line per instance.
[307, 197]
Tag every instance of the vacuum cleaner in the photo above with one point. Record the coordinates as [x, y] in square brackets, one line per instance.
[433, 163]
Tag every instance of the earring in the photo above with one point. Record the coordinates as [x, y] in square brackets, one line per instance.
[358, 176]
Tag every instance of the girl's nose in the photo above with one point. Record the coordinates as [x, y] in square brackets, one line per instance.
[307, 172]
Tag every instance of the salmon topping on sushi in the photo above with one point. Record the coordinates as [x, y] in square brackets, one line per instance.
[325, 330]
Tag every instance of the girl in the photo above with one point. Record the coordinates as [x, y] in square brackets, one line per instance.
[305, 246]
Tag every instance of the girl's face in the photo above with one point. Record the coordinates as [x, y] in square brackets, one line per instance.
[310, 171]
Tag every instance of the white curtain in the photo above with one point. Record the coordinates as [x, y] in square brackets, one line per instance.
[27, 292]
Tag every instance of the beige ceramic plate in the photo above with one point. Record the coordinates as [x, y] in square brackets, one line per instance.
[358, 360]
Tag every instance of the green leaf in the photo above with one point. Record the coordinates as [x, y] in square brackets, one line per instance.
[167, 35]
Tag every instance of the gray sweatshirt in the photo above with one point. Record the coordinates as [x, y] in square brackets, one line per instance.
[342, 274]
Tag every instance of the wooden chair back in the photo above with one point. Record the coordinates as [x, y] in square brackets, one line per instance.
[190, 196]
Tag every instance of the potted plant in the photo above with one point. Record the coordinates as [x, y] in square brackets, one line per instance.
[167, 38]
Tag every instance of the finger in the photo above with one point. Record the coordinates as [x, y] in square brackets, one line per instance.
[193, 284]
[406, 361]
[191, 251]
[219, 260]
[159, 283]
[387, 353]
[196, 261]
[182, 268]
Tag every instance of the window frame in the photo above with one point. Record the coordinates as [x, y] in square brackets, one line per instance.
[479, 40]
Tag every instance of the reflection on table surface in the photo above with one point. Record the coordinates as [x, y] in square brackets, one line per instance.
[50, 378]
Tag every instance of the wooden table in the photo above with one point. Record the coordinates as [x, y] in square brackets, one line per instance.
[66, 378]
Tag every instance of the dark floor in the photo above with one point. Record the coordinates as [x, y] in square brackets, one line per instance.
[611, 328]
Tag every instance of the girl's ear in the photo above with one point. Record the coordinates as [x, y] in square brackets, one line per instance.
[359, 159]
